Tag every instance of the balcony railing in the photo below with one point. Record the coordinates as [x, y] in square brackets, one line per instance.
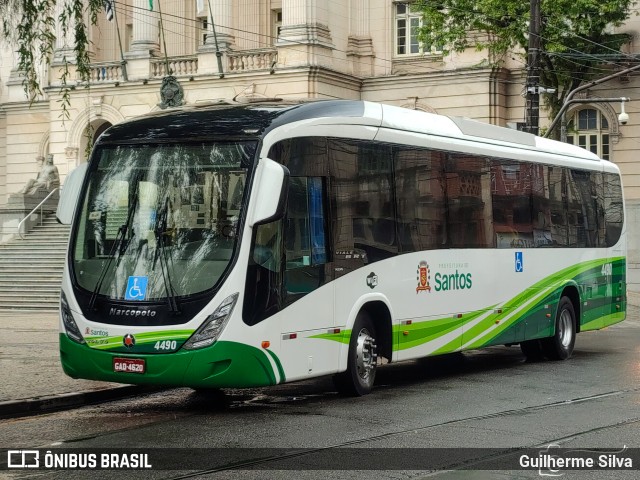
[251, 60]
[105, 72]
[178, 66]
[185, 66]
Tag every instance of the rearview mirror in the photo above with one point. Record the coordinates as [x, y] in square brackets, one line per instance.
[271, 186]
[70, 193]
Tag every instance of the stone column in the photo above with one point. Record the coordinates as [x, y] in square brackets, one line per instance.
[221, 17]
[305, 38]
[359, 43]
[301, 24]
[145, 31]
[64, 42]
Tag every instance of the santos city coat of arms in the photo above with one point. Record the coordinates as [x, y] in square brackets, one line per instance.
[423, 277]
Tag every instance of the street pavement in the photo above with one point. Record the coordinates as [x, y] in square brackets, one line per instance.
[31, 377]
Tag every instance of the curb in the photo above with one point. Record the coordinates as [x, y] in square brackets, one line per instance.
[67, 401]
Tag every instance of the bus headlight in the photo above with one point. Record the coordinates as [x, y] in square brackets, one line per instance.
[73, 332]
[211, 328]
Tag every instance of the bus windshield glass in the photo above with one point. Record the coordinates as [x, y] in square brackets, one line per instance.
[160, 221]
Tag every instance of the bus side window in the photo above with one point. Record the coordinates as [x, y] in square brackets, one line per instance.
[305, 239]
[614, 209]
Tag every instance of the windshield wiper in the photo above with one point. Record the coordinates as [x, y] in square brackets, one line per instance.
[160, 232]
[118, 245]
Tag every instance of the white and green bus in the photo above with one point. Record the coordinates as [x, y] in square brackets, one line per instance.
[243, 245]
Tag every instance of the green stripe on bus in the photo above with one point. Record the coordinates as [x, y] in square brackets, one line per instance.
[535, 299]
[553, 283]
[143, 341]
[420, 333]
[148, 336]
[275, 358]
[343, 336]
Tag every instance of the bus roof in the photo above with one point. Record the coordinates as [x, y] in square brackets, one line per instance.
[467, 129]
[223, 119]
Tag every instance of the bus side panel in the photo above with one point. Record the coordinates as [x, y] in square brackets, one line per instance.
[606, 304]
[501, 304]
[309, 343]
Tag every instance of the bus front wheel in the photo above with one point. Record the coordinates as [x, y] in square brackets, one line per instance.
[560, 345]
[362, 359]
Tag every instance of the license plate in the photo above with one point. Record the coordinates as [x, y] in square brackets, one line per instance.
[129, 365]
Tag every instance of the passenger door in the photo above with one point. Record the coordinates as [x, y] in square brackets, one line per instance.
[307, 318]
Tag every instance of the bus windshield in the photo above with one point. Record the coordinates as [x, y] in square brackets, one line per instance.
[159, 221]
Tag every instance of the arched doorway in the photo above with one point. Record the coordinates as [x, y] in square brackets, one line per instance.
[93, 131]
[86, 129]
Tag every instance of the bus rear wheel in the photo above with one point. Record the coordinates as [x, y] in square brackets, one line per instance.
[362, 359]
[560, 345]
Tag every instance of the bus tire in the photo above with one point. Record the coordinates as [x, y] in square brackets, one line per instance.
[532, 349]
[362, 359]
[560, 345]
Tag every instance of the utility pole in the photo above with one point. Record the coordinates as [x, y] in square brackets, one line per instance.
[532, 114]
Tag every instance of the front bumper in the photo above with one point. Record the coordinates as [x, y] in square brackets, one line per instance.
[223, 364]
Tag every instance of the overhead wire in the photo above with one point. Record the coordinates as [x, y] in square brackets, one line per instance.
[378, 61]
[149, 20]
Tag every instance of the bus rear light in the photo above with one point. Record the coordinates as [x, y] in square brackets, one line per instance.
[70, 326]
[289, 336]
[212, 327]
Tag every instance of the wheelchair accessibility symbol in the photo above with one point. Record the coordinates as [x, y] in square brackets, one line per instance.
[519, 262]
[136, 288]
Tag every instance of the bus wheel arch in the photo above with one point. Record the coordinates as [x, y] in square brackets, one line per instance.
[370, 340]
[381, 318]
[560, 345]
[571, 292]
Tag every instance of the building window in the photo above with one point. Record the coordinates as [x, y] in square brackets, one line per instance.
[589, 129]
[128, 37]
[203, 24]
[276, 24]
[408, 20]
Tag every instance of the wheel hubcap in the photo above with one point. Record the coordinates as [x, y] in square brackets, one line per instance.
[565, 328]
[366, 356]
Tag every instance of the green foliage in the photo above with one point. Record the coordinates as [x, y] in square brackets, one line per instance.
[30, 27]
[575, 40]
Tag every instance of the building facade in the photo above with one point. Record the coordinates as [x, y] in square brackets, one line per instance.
[318, 49]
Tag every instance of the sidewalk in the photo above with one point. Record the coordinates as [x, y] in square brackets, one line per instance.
[31, 377]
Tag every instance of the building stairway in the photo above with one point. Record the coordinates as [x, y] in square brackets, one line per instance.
[31, 269]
